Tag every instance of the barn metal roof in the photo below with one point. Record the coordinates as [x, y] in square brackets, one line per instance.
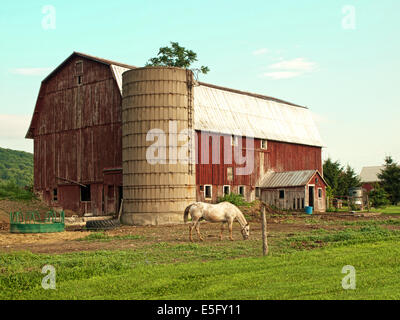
[370, 174]
[287, 179]
[117, 72]
[229, 112]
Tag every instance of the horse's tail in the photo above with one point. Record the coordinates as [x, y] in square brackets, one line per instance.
[186, 213]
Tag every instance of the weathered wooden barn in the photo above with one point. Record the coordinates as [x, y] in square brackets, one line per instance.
[76, 128]
[77, 132]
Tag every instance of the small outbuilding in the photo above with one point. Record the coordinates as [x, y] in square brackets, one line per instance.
[294, 190]
[369, 177]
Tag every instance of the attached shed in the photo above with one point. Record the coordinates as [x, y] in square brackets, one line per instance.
[294, 190]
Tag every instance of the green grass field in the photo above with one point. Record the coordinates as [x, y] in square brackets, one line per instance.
[390, 210]
[306, 265]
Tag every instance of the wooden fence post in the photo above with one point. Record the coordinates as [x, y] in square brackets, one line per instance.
[264, 231]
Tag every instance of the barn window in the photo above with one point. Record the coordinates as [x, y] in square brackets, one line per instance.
[227, 190]
[319, 193]
[229, 174]
[208, 191]
[281, 194]
[85, 193]
[78, 68]
[258, 193]
[234, 140]
[79, 80]
[201, 188]
[264, 144]
[241, 190]
[55, 194]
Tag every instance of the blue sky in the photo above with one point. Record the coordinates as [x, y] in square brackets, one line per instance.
[339, 58]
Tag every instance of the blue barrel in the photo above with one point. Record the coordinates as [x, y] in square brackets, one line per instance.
[309, 210]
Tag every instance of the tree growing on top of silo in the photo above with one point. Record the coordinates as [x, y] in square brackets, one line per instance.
[176, 56]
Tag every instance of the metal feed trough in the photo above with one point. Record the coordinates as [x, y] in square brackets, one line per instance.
[32, 222]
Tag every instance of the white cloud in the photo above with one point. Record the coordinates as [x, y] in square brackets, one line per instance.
[287, 69]
[31, 71]
[281, 74]
[260, 51]
[294, 64]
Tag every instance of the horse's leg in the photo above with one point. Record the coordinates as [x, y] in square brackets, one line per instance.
[198, 230]
[190, 231]
[222, 230]
[230, 225]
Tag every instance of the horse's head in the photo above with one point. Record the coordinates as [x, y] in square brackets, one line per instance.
[246, 231]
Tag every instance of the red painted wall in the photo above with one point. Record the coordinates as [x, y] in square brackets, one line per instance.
[77, 132]
[279, 157]
[368, 186]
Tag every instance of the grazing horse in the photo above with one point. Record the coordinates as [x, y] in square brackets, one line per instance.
[224, 212]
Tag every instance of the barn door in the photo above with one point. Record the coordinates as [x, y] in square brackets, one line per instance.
[119, 199]
[311, 196]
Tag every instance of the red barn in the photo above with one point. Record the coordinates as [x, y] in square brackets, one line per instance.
[369, 177]
[76, 127]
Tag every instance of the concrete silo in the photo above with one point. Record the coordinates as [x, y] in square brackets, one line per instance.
[157, 189]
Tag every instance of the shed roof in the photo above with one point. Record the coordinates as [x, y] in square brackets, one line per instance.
[288, 178]
[370, 174]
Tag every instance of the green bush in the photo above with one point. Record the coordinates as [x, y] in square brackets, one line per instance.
[235, 199]
[16, 166]
[379, 197]
[10, 190]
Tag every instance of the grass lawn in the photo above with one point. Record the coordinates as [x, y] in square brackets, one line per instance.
[205, 271]
[390, 210]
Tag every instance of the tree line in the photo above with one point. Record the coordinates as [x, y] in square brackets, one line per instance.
[387, 191]
[342, 178]
[16, 167]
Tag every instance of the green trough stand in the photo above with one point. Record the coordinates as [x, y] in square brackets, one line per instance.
[32, 222]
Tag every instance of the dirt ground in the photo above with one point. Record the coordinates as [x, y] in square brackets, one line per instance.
[67, 241]
[278, 224]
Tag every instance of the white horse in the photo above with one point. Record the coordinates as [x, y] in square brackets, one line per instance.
[224, 212]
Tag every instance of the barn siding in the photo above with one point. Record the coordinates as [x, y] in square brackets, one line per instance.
[279, 157]
[74, 124]
[319, 203]
[299, 194]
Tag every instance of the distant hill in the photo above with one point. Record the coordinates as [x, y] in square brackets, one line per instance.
[16, 166]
